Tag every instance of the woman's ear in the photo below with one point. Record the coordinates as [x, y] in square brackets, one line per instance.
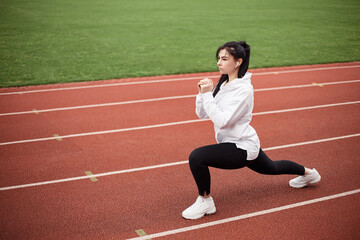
[238, 62]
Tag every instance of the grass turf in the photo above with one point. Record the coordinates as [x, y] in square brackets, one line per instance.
[44, 41]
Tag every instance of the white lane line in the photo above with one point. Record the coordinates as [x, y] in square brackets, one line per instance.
[163, 99]
[94, 175]
[174, 79]
[104, 132]
[305, 85]
[312, 142]
[100, 105]
[107, 85]
[306, 108]
[307, 70]
[249, 215]
[168, 164]
[169, 124]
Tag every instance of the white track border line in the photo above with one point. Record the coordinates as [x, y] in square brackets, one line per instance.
[168, 124]
[174, 79]
[165, 98]
[305, 85]
[101, 105]
[249, 215]
[167, 164]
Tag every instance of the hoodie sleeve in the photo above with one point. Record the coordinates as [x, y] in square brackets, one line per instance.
[236, 106]
[200, 111]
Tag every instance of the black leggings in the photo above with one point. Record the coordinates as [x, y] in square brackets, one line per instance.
[228, 156]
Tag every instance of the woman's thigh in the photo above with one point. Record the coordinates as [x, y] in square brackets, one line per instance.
[222, 155]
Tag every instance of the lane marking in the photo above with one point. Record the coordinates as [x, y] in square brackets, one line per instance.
[105, 132]
[306, 70]
[164, 99]
[57, 137]
[168, 124]
[216, 74]
[312, 142]
[34, 111]
[305, 85]
[249, 215]
[102, 105]
[92, 178]
[108, 85]
[318, 84]
[141, 233]
[305, 108]
[95, 175]
[167, 164]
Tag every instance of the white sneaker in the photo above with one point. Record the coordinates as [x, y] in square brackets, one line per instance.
[201, 207]
[302, 181]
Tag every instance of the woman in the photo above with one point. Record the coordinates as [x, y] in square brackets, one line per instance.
[229, 106]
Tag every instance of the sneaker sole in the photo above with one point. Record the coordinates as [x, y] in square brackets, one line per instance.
[212, 211]
[305, 185]
[297, 186]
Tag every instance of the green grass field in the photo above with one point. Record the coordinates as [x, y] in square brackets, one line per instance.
[52, 41]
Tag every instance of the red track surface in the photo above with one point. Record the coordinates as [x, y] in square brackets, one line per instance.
[153, 199]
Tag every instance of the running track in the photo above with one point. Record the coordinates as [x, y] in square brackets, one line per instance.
[134, 136]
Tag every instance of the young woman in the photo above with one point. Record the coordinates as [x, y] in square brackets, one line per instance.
[229, 106]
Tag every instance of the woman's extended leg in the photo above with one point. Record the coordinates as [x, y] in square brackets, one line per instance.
[264, 165]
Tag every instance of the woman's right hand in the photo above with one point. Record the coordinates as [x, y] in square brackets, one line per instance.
[205, 85]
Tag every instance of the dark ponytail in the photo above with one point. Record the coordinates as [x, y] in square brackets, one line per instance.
[237, 50]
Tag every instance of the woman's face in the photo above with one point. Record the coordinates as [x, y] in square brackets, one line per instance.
[226, 62]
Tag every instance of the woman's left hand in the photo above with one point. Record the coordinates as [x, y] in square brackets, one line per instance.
[205, 85]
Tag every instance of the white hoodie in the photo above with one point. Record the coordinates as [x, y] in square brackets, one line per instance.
[231, 112]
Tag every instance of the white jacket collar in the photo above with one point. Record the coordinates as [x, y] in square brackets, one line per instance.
[237, 82]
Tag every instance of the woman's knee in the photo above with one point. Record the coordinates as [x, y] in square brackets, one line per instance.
[263, 164]
[195, 157]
